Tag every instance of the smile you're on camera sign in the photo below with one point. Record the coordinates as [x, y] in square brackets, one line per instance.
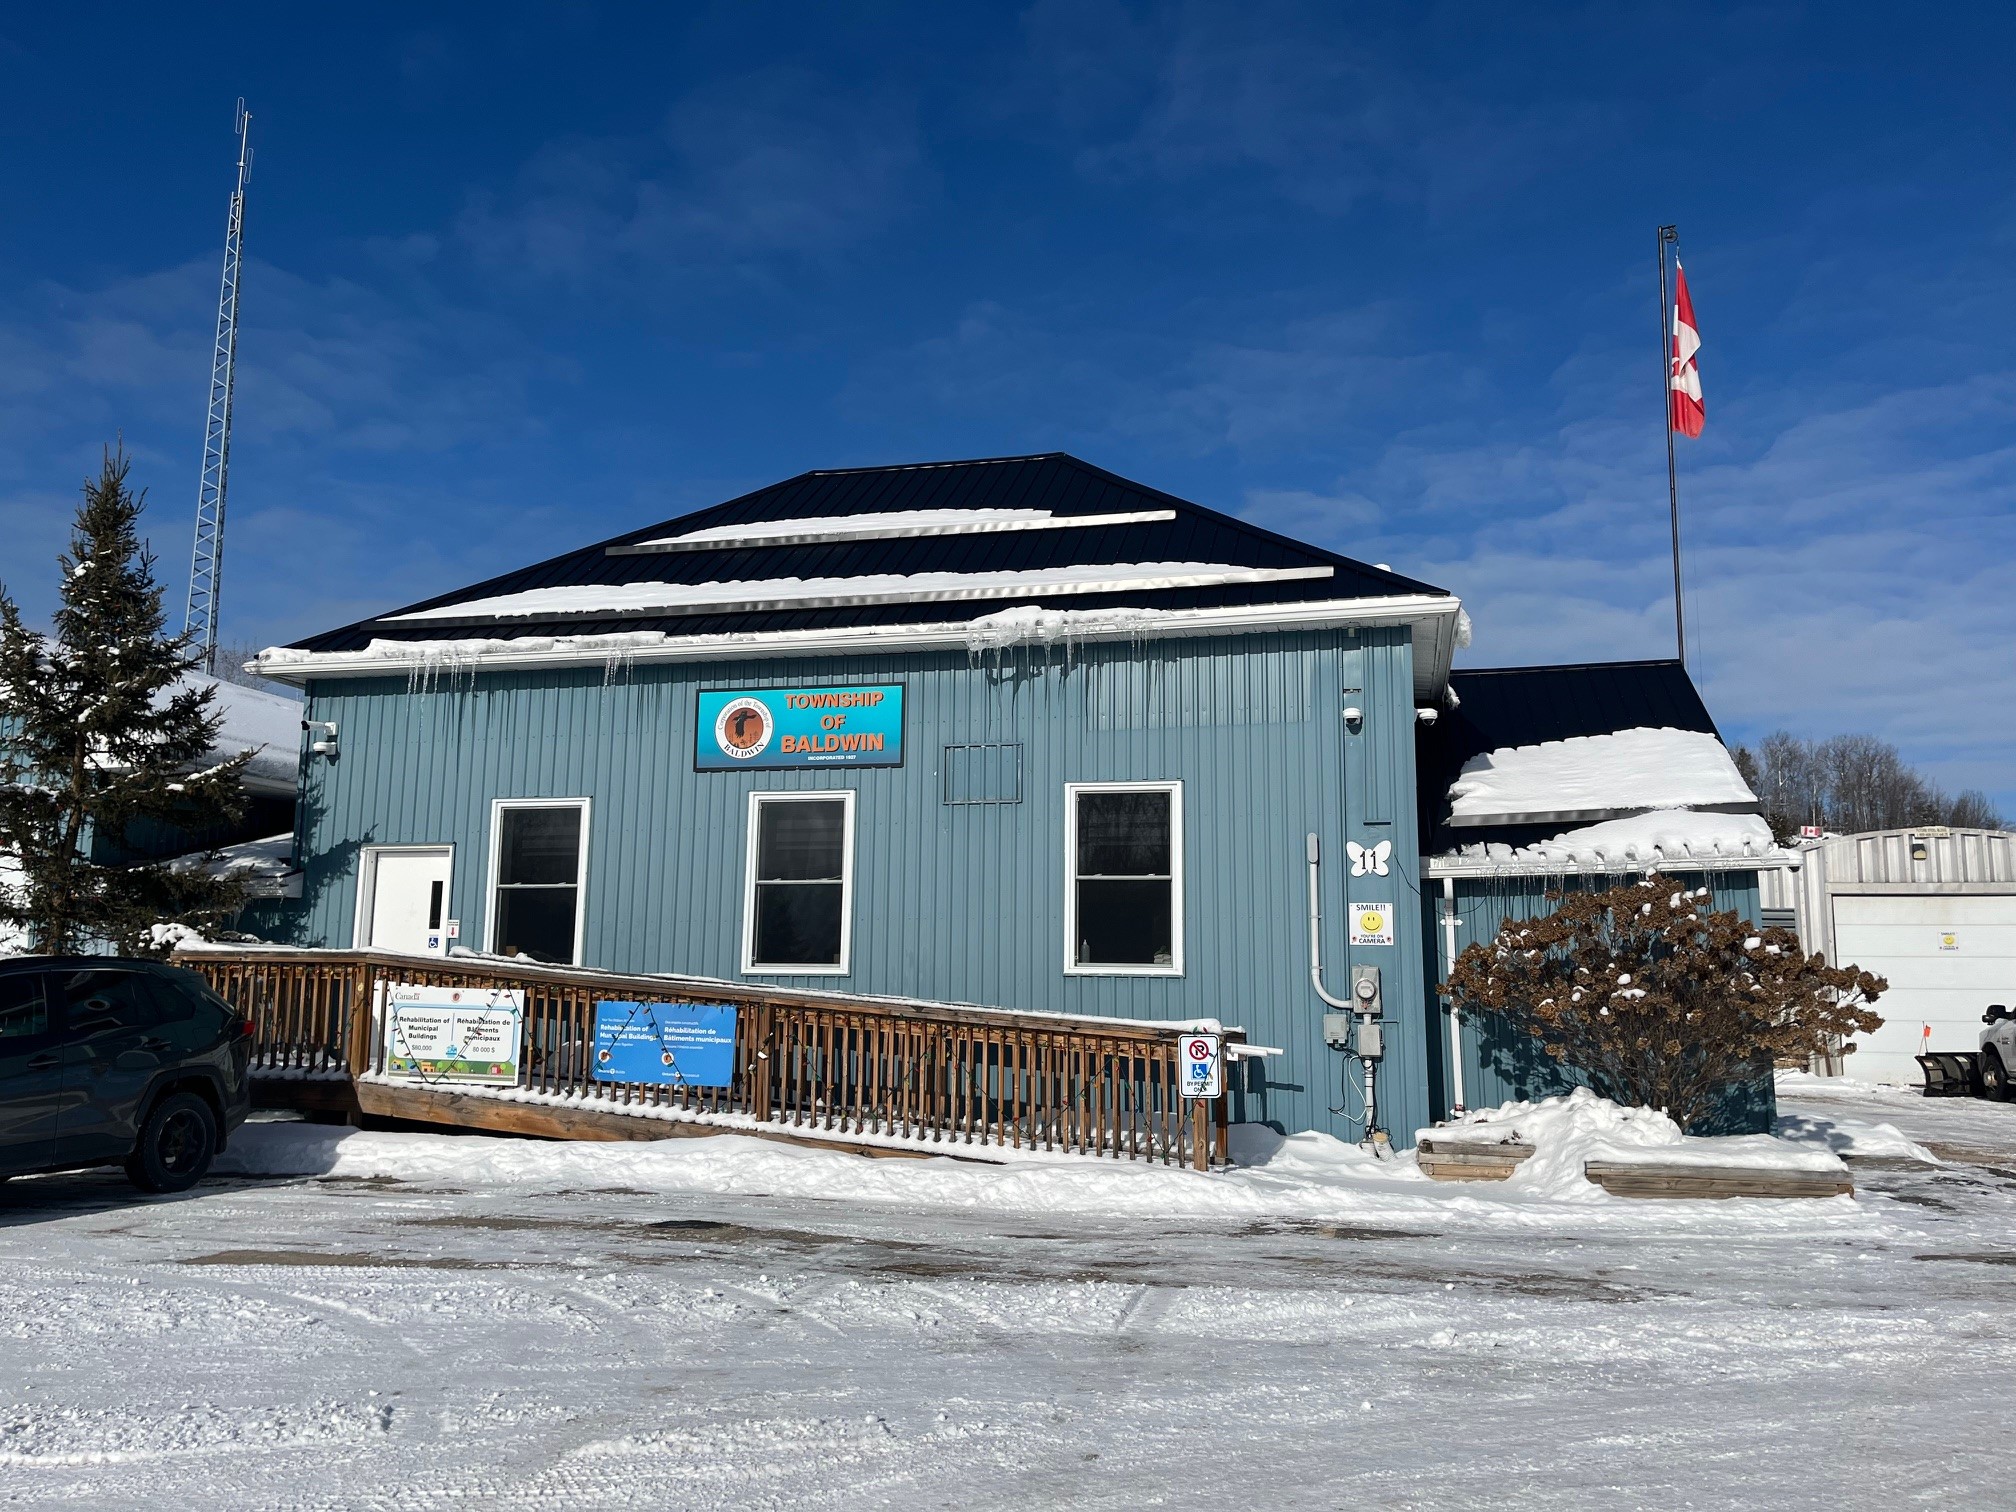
[799, 727]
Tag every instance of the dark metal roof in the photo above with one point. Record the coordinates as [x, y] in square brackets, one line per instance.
[1053, 481]
[1501, 707]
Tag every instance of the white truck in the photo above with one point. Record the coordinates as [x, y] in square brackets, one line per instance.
[1984, 1072]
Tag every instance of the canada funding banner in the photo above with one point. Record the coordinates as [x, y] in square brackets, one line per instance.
[453, 1034]
[669, 1044]
[799, 727]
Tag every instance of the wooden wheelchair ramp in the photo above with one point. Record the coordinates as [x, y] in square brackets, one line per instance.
[873, 1076]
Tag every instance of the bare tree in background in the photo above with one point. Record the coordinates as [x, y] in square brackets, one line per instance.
[1850, 784]
[231, 661]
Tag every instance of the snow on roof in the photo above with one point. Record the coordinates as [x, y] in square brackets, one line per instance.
[1666, 836]
[887, 525]
[1598, 777]
[607, 600]
[257, 720]
[422, 660]
[266, 867]
[1032, 624]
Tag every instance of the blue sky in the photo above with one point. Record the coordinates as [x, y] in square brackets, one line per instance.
[520, 276]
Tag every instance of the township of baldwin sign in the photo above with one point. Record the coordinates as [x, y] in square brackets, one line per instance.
[454, 1034]
[765, 728]
[665, 1044]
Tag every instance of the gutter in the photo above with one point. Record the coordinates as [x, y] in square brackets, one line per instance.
[1435, 617]
[1454, 866]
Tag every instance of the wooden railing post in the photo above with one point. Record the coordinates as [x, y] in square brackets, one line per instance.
[762, 1061]
[357, 1049]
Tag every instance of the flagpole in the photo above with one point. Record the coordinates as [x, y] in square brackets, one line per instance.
[1670, 235]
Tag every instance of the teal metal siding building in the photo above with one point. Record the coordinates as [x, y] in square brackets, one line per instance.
[958, 884]
[1015, 733]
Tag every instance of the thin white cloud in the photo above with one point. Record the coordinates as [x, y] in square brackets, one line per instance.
[777, 163]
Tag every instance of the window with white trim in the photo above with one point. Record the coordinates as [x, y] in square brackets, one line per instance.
[1123, 910]
[798, 907]
[538, 861]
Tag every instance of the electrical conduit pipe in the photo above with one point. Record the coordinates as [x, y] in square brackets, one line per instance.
[1316, 980]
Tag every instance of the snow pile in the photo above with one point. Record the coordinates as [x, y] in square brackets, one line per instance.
[589, 600]
[1308, 1176]
[1667, 835]
[1598, 776]
[1852, 1136]
[1568, 1132]
[174, 936]
[1316, 1175]
[885, 525]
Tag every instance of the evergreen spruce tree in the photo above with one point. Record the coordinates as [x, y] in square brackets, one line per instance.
[100, 725]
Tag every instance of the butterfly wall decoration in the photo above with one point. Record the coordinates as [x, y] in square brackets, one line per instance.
[1368, 859]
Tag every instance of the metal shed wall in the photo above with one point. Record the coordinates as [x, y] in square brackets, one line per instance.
[952, 902]
[1499, 1067]
[1879, 861]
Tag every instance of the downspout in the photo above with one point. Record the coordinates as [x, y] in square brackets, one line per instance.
[1455, 1018]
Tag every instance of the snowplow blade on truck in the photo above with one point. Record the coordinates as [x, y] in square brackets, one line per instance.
[1950, 1073]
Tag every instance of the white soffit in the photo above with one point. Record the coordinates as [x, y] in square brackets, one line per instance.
[614, 600]
[887, 526]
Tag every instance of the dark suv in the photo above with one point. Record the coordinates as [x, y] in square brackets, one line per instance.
[115, 1062]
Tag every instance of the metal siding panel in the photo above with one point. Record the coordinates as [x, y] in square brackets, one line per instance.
[955, 903]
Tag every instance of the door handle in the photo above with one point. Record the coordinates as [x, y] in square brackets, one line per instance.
[43, 1062]
[155, 1046]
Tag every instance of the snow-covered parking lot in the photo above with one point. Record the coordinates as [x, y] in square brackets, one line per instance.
[419, 1320]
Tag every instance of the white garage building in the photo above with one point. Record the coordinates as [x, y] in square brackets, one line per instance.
[1932, 910]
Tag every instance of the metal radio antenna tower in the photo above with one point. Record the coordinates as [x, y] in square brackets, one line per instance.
[206, 566]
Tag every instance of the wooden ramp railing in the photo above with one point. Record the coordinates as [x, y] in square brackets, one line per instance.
[823, 1068]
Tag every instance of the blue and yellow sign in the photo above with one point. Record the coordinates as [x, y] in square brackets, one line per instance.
[799, 727]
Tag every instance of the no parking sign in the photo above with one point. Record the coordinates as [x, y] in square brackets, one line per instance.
[1202, 1070]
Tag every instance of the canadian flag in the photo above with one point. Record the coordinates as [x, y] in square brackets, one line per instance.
[1685, 410]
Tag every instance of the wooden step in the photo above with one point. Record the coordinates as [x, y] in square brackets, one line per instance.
[1631, 1179]
[1458, 1160]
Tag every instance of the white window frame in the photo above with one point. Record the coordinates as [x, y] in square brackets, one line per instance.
[758, 798]
[367, 883]
[1072, 790]
[497, 808]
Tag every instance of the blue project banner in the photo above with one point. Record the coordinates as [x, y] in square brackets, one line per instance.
[799, 727]
[667, 1044]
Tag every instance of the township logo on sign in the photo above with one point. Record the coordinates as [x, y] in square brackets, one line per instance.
[743, 728]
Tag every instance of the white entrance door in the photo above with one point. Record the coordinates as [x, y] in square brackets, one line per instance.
[1946, 959]
[403, 898]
